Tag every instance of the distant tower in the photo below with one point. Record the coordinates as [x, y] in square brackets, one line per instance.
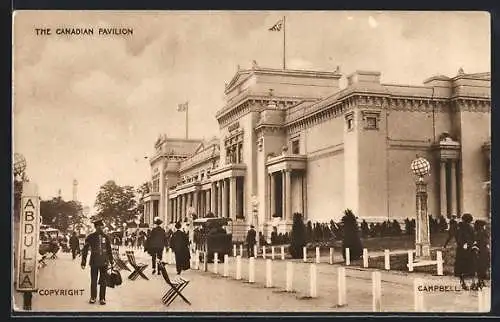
[59, 193]
[75, 190]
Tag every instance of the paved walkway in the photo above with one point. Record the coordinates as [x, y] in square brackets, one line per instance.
[211, 292]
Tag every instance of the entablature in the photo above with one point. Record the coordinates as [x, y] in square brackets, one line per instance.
[286, 162]
[228, 171]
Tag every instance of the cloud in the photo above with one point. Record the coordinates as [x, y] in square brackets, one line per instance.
[299, 63]
[372, 22]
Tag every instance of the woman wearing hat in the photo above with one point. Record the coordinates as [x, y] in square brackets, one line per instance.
[180, 246]
[100, 258]
[464, 258]
[156, 242]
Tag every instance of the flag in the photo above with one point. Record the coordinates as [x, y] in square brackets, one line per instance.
[277, 26]
[182, 107]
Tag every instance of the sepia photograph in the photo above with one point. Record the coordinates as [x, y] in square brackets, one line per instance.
[251, 161]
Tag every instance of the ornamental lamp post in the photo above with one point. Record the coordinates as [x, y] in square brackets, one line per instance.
[420, 168]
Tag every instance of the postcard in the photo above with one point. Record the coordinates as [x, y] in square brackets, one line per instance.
[251, 161]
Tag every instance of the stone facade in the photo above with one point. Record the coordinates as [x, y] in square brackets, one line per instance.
[294, 141]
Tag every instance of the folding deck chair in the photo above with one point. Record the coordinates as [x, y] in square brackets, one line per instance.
[176, 286]
[120, 263]
[41, 261]
[138, 267]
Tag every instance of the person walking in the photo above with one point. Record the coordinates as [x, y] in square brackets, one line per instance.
[74, 244]
[156, 242]
[251, 241]
[101, 258]
[179, 243]
[452, 230]
[481, 250]
[464, 258]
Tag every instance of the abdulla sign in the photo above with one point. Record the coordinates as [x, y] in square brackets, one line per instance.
[29, 231]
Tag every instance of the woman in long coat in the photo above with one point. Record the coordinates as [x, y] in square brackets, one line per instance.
[179, 243]
[481, 251]
[464, 258]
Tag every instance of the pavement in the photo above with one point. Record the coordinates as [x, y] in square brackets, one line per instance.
[210, 292]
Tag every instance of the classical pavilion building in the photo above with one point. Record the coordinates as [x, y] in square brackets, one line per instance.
[294, 141]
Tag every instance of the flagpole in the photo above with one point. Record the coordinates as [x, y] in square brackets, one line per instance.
[187, 108]
[284, 43]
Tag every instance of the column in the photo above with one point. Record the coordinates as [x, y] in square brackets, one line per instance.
[454, 188]
[232, 197]
[213, 200]
[442, 188]
[189, 201]
[196, 196]
[219, 198]
[272, 196]
[183, 207]
[283, 194]
[208, 201]
[288, 195]
[225, 210]
[178, 214]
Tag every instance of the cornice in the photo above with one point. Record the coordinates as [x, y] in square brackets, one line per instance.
[253, 103]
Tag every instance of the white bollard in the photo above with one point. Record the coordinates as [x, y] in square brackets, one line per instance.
[418, 298]
[255, 254]
[313, 286]
[317, 255]
[289, 276]
[341, 281]
[304, 253]
[234, 250]
[251, 270]
[377, 292]
[264, 252]
[484, 300]
[205, 261]
[347, 257]
[272, 252]
[282, 253]
[197, 259]
[365, 257]
[238, 267]
[269, 273]
[439, 259]
[216, 263]
[410, 260]
[331, 256]
[226, 265]
[387, 260]
[241, 250]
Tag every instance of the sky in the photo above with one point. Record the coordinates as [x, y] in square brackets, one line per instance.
[91, 107]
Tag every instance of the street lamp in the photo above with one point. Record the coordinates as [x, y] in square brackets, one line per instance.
[421, 167]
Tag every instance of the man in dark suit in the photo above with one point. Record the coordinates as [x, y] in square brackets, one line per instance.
[101, 258]
[251, 240]
[74, 244]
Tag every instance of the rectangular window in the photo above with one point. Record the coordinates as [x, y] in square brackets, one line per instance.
[240, 152]
[350, 124]
[295, 147]
[156, 185]
[371, 122]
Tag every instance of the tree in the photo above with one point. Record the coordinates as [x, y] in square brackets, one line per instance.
[61, 214]
[298, 236]
[116, 204]
[351, 238]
